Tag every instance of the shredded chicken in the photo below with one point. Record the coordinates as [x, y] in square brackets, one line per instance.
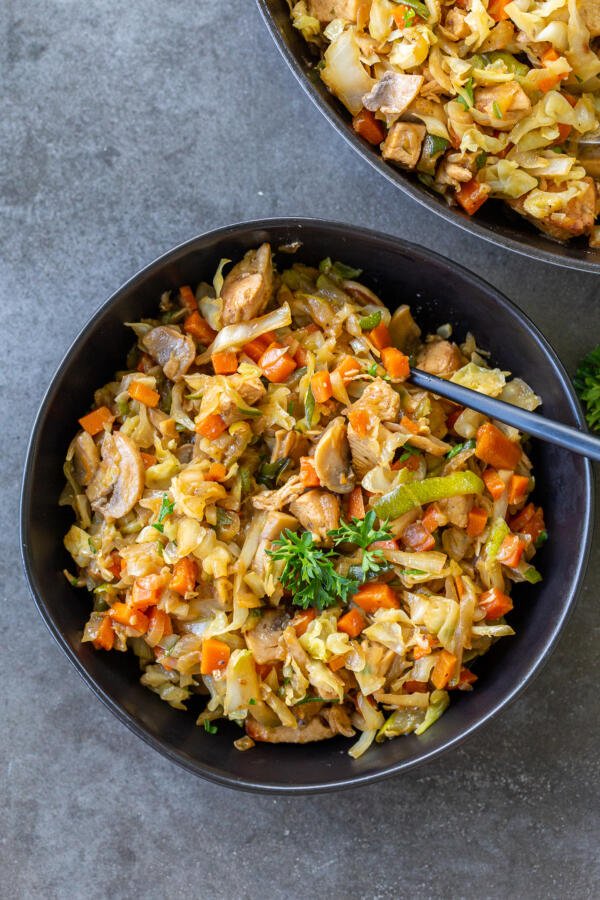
[317, 511]
[440, 358]
[274, 500]
[403, 144]
[248, 286]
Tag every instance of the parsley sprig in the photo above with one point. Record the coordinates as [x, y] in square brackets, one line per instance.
[587, 384]
[166, 508]
[363, 533]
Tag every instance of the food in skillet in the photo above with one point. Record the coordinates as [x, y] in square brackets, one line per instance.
[480, 98]
[270, 514]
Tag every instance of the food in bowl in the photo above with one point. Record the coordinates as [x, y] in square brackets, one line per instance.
[481, 99]
[269, 514]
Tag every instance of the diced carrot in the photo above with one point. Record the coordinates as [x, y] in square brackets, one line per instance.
[185, 573]
[139, 391]
[395, 362]
[216, 472]
[518, 488]
[495, 603]
[159, 626]
[361, 421]
[356, 503]
[146, 591]
[415, 687]
[256, 348]
[443, 669]
[373, 596]
[105, 638]
[215, 655]
[529, 521]
[466, 678]
[380, 336]
[409, 425]
[369, 128]
[550, 55]
[211, 427]
[225, 362]
[128, 615]
[187, 298]
[495, 449]
[348, 368]
[148, 459]
[563, 132]
[384, 545]
[308, 473]
[302, 620]
[321, 386]
[199, 328]
[511, 551]
[351, 623]
[97, 420]
[145, 363]
[301, 356]
[494, 483]
[497, 10]
[115, 564]
[276, 363]
[433, 518]
[477, 521]
[548, 82]
[417, 537]
[432, 643]
[473, 195]
[337, 662]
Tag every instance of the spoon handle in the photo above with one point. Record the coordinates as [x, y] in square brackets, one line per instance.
[531, 423]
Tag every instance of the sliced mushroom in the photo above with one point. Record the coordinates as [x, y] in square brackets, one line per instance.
[281, 734]
[264, 639]
[318, 511]
[275, 523]
[120, 474]
[171, 349]
[248, 286]
[393, 93]
[332, 458]
[404, 331]
[86, 458]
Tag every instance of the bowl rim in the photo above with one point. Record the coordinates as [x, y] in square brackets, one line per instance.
[471, 225]
[33, 448]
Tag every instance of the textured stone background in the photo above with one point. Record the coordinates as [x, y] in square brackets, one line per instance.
[124, 129]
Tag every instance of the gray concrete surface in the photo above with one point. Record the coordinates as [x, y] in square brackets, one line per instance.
[124, 129]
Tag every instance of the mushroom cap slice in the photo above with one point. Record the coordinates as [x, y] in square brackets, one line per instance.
[171, 349]
[129, 485]
[332, 458]
[86, 458]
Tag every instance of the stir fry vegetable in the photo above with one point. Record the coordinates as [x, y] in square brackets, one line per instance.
[272, 518]
[587, 383]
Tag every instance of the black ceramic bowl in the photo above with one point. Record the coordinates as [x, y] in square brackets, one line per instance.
[495, 222]
[439, 291]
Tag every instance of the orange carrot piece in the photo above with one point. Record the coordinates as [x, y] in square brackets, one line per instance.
[321, 386]
[395, 362]
[187, 298]
[403, 18]
[466, 678]
[418, 538]
[97, 420]
[148, 459]
[409, 425]
[443, 669]
[518, 488]
[529, 521]
[159, 626]
[215, 655]
[199, 328]
[495, 449]
[497, 10]
[356, 503]
[302, 620]
[511, 551]
[256, 348]
[433, 518]
[380, 336]
[216, 472]
[146, 591]
[308, 473]
[392, 544]
[373, 596]
[432, 643]
[127, 615]
[337, 662]
[225, 362]
[185, 573]
[548, 82]
[139, 391]
[360, 419]
[348, 368]
[211, 427]
[276, 363]
[351, 623]
[415, 687]
[105, 637]
[369, 128]
[473, 195]
[494, 483]
[477, 521]
[495, 603]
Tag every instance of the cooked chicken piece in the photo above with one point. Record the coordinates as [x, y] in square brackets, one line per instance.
[264, 639]
[251, 390]
[327, 10]
[501, 106]
[455, 28]
[499, 38]
[274, 500]
[290, 444]
[456, 169]
[318, 511]
[380, 399]
[281, 734]
[457, 510]
[404, 331]
[403, 144]
[339, 720]
[86, 458]
[332, 458]
[440, 358]
[120, 474]
[577, 218]
[171, 349]
[248, 287]
[366, 452]
[393, 93]
[275, 523]
[589, 10]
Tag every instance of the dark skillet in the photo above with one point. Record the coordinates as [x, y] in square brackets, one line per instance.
[439, 291]
[494, 222]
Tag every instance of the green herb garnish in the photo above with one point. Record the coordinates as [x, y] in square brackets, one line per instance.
[309, 573]
[166, 509]
[339, 269]
[363, 533]
[481, 159]
[209, 727]
[418, 6]
[587, 385]
[468, 445]
[541, 540]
